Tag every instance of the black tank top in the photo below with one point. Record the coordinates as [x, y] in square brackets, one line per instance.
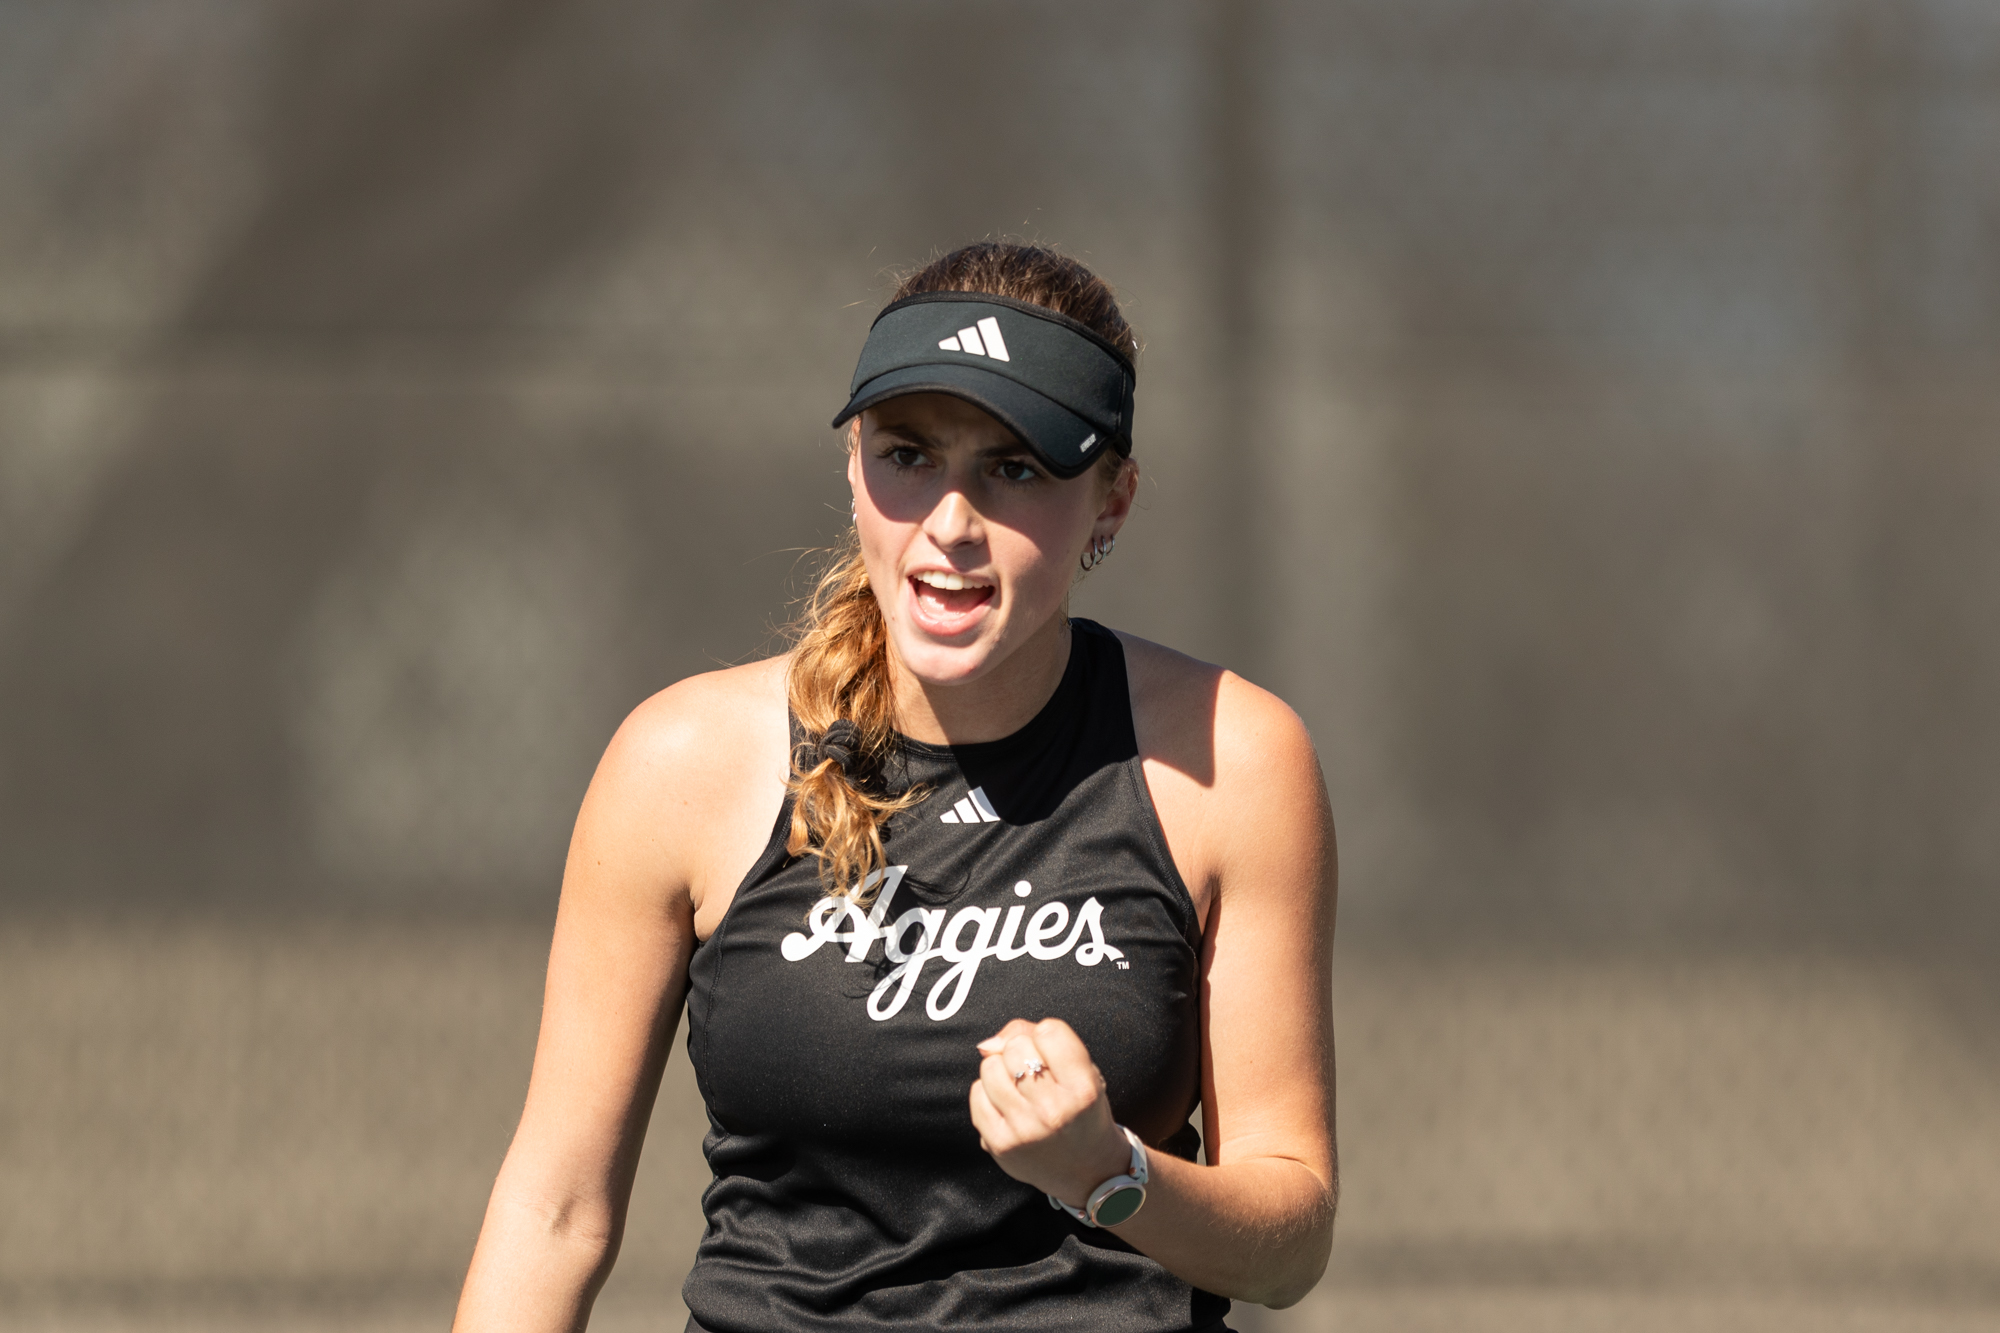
[834, 1046]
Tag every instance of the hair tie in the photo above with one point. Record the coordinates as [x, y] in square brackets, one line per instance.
[839, 743]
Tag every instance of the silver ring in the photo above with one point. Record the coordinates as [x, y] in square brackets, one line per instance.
[1034, 1070]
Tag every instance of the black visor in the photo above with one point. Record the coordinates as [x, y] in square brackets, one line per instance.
[1066, 392]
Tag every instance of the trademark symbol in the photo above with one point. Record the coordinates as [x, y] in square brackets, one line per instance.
[1124, 966]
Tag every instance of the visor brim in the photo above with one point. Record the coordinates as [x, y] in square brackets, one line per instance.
[1061, 440]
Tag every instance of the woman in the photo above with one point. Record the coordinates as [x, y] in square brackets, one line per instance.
[972, 904]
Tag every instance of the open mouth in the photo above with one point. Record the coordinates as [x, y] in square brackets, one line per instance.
[946, 599]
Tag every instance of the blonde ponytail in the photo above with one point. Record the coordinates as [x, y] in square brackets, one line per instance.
[840, 674]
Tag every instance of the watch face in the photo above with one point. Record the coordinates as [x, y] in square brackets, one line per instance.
[1119, 1205]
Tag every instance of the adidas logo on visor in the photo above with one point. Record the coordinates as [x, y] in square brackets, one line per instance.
[982, 339]
[972, 808]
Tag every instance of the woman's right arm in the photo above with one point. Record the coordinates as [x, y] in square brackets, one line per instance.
[654, 825]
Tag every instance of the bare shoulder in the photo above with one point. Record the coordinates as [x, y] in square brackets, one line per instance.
[1208, 720]
[700, 731]
[1231, 768]
[693, 776]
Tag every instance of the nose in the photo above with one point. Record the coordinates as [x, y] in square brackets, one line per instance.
[953, 522]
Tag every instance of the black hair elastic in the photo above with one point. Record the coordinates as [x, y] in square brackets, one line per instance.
[840, 743]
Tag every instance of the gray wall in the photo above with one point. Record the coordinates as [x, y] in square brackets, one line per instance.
[1583, 413]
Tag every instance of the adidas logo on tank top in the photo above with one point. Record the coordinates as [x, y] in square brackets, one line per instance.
[972, 808]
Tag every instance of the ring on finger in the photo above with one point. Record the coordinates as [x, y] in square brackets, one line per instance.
[1035, 1069]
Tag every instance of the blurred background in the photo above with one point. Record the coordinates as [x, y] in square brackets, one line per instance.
[1586, 412]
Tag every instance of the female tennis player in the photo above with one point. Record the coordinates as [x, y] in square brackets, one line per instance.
[971, 904]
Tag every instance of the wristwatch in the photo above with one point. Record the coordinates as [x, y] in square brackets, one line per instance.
[1118, 1198]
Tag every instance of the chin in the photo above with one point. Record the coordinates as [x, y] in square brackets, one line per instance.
[936, 663]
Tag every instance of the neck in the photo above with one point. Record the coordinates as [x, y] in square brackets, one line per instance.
[995, 703]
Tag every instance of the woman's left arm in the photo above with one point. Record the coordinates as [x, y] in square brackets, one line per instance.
[1256, 1223]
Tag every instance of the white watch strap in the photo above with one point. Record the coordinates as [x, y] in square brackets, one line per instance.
[1136, 1175]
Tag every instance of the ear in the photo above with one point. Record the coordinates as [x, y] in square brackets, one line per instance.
[854, 455]
[1118, 501]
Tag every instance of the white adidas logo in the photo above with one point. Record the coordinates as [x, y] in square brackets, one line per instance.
[972, 808]
[982, 339]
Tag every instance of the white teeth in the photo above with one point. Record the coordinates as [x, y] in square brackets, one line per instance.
[948, 582]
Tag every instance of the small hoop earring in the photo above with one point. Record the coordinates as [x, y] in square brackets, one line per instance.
[1099, 551]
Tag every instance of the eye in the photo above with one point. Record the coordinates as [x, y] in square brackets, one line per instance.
[904, 456]
[1017, 469]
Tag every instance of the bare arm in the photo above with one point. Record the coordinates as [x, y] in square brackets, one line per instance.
[661, 820]
[1256, 1223]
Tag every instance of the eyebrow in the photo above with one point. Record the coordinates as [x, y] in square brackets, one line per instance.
[1012, 448]
[908, 433]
